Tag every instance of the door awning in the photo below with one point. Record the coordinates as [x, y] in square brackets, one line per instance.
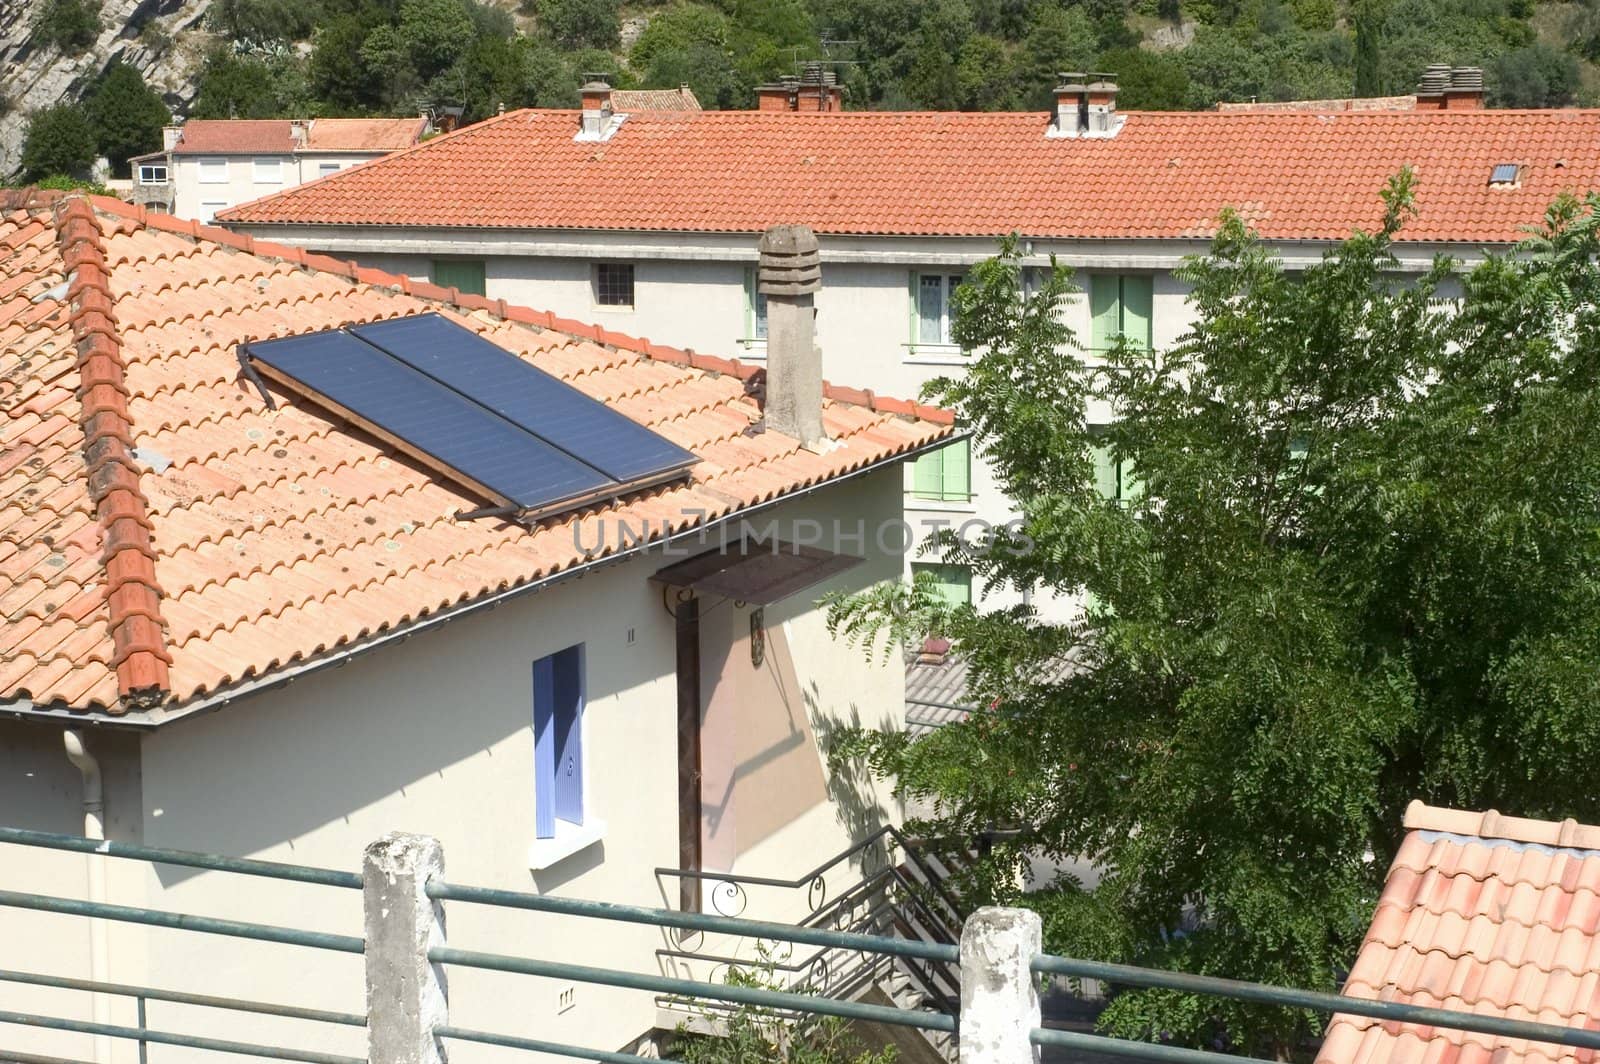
[759, 572]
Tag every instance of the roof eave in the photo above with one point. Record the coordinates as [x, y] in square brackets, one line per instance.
[149, 719]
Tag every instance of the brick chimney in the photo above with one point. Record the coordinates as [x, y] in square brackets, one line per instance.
[1445, 89]
[789, 275]
[594, 117]
[1102, 108]
[814, 90]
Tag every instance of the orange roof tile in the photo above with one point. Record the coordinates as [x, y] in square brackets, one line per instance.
[229, 136]
[164, 535]
[1295, 175]
[1481, 913]
[629, 100]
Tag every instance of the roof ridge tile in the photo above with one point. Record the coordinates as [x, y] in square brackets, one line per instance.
[140, 656]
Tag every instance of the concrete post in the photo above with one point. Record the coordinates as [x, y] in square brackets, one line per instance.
[999, 993]
[406, 996]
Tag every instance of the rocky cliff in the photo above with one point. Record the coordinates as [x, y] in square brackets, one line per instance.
[161, 38]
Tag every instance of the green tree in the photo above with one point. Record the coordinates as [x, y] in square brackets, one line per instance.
[580, 23]
[1368, 18]
[59, 141]
[1059, 39]
[125, 114]
[262, 22]
[1147, 81]
[1535, 76]
[435, 33]
[69, 26]
[263, 85]
[1358, 564]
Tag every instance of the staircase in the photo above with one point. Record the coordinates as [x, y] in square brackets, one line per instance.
[895, 888]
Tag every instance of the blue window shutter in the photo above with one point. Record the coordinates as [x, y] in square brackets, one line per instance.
[569, 735]
[544, 748]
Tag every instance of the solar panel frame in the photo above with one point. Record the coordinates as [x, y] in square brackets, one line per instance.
[459, 438]
[527, 396]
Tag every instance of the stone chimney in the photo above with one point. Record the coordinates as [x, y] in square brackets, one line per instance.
[1445, 89]
[299, 130]
[594, 120]
[1086, 106]
[1102, 107]
[170, 135]
[789, 275]
[1072, 101]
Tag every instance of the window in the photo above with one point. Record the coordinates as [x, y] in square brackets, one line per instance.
[613, 284]
[213, 171]
[267, 172]
[944, 475]
[932, 307]
[324, 169]
[1114, 480]
[152, 173]
[558, 740]
[1120, 306]
[209, 209]
[755, 309]
[465, 275]
[953, 582]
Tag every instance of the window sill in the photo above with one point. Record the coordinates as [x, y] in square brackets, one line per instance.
[948, 506]
[613, 308]
[755, 347]
[936, 355]
[569, 839]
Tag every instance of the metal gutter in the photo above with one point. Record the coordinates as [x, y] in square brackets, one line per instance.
[149, 720]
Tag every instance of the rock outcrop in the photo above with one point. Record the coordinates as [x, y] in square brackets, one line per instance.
[162, 39]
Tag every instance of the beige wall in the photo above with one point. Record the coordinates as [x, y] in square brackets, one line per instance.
[434, 736]
[192, 198]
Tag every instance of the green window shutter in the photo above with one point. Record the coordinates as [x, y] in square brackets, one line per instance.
[952, 582]
[1137, 295]
[911, 306]
[928, 475]
[464, 275]
[1107, 477]
[749, 303]
[1105, 310]
[956, 482]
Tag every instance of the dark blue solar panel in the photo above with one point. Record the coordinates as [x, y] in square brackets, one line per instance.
[455, 431]
[546, 406]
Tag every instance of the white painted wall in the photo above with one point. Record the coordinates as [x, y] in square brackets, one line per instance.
[197, 199]
[434, 736]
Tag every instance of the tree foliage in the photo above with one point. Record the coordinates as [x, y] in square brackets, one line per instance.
[59, 142]
[1360, 568]
[125, 114]
[69, 26]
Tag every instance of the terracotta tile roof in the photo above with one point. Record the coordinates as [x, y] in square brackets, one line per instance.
[1482, 913]
[364, 134]
[1293, 175]
[1350, 103]
[629, 100]
[163, 535]
[275, 136]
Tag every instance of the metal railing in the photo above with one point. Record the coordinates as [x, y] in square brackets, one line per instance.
[786, 1002]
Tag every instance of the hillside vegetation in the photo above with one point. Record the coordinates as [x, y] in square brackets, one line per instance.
[278, 58]
[357, 56]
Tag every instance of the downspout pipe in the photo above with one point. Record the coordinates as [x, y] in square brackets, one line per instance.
[94, 827]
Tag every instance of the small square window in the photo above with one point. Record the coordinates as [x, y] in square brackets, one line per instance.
[1505, 174]
[152, 173]
[324, 169]
[613, 284]
[944, 475]
[267, 172]
[213, 171]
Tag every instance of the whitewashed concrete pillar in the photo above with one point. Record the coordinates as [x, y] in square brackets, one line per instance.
[999, 992]
[406, 996]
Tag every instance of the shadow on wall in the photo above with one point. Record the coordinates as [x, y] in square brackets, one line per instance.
[850, 783]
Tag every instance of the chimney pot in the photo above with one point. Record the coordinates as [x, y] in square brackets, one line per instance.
[595, 107]
[789, 275]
